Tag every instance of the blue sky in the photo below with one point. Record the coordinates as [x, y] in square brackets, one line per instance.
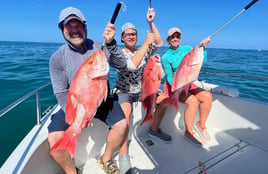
[36, 20]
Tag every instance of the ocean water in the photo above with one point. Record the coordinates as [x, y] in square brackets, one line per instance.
[24, 67]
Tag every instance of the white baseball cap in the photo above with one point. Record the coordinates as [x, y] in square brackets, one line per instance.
[126, 26]
[70, 13]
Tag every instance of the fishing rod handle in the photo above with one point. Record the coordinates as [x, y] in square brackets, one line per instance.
[250, 4]
[116, 11]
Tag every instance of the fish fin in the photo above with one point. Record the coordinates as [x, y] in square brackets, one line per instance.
[144, 104]
[148, 101]
[148, 117]
[71, 108]
[173, 102]
[86, 123]
[67, 142]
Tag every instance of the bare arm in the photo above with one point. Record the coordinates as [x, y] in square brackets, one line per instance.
[153, 37]
[137, 57]
[150, 20]
[204, 42]
[116, 57]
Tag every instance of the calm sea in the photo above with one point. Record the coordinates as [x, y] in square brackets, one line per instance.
[24, 67]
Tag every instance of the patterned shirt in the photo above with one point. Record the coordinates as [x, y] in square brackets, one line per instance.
[129, 81]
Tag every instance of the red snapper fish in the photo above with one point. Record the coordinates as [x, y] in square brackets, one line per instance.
[187, 72]
[151, 80]
[87, 91]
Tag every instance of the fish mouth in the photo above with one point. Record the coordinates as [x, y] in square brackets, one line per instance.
[156, 57]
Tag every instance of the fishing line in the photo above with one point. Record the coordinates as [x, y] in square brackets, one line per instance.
[231, 20]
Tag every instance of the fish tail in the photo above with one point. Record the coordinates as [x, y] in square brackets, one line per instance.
[148, 117]
[67, 142]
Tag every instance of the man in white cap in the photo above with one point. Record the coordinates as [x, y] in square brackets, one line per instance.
[63, 65]
[128, 84]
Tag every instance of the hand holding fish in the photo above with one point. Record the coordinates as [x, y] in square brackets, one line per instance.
[109, 33]
[204, 42]
[83, 99]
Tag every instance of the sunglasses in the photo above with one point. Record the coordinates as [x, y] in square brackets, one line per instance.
[175, 36]
[130, 34]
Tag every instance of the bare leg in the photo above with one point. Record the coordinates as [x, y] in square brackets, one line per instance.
[205, 99]
[159, 113]
[126, 107]
[124, 160]
[190, 110]
[62, 157]
[114, 139]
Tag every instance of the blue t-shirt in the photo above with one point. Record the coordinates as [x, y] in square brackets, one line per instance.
[171, 60]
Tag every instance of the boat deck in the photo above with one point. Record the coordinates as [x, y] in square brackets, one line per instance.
[150, 156]
[238, 144]
[224, 153]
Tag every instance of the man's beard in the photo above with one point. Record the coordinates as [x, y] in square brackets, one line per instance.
[75, 41]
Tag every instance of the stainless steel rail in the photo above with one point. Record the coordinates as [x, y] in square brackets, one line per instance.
[20, 100]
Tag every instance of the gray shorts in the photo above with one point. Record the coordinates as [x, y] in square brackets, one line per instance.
[109, 112]
[128, 97]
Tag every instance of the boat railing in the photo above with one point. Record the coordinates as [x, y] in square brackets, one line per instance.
[25, 97]
[236, 75]
[247, 77]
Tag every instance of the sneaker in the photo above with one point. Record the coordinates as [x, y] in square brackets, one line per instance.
[202, 132]
[124, 164]
[109, 167]
[194, 138]
[161, 135]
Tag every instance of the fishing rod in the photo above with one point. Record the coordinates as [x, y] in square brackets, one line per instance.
[115, 14]
[116, 11]
[150, 5]
[236, 16]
